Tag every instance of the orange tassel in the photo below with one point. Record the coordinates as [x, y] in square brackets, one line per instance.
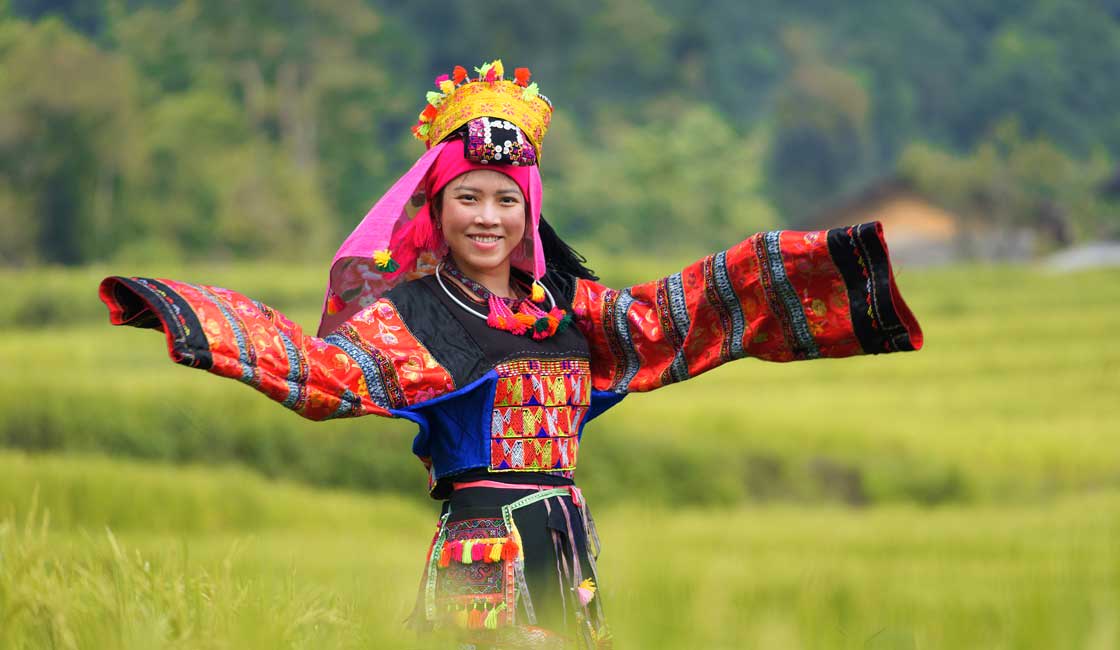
[335, 304]
[509, 550]
[445, 557]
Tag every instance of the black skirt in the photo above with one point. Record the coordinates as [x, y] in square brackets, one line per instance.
[515, 566]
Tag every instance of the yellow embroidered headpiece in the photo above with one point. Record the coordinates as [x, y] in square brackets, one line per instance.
[461, 99]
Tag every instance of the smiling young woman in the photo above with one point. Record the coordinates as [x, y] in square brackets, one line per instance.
[457, 318]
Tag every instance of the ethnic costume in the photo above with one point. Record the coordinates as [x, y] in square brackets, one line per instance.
[501, 413]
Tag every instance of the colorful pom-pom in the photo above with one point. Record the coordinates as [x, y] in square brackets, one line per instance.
[429, 113]
[498, 68]
[491, 75]
[440, 79]
[531, 91]
[537, 294]
[383, 260]
[447, 87]
[586, 591]
[522, 76]
[509, 550]
[434, 98]
[335, 304]
[459, 74]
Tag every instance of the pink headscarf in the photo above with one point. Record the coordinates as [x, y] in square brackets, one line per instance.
[415, 243]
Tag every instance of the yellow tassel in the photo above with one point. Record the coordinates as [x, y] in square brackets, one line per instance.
[517, 539]
[537, 294]
[496, 552]
[447, 87]
[467, 545]
[499, 69]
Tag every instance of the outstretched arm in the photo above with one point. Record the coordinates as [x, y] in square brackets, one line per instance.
[778, 296]
[371, 365]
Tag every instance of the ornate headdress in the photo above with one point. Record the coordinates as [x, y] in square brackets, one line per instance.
[500, 125]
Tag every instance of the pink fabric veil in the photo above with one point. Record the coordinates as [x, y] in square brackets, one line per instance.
[415, 244]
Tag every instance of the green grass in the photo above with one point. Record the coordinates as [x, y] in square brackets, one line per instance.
[141, 557]
[1009, 401]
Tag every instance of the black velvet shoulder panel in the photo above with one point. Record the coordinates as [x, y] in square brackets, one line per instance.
[430, 321]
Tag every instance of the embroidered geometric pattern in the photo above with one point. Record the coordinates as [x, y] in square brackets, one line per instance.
[377, 370]
[782, 297]
[469, 580]
[246, 354]
[731, 305]
[539, 405]
[673, 311]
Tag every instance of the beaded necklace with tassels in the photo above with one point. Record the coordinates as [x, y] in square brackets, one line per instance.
[520, 316]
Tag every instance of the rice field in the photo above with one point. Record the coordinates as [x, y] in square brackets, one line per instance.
[106, 553]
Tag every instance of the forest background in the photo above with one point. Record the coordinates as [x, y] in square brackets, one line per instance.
[964, 496]
[220, 130]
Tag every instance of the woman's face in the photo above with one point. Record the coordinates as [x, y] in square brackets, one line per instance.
[482, 216]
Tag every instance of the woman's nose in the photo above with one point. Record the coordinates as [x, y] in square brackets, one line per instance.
[487, 213]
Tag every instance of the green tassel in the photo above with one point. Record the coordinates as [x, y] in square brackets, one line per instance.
[541, 325]
[491, 622]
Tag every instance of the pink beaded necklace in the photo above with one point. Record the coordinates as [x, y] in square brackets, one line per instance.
[520, 316]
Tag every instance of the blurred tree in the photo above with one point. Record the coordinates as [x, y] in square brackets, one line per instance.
[212, 190]
[82, 15]
[820, 142]
[67, 143]
[683, 180]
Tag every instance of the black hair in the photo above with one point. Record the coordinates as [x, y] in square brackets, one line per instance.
[562, 257]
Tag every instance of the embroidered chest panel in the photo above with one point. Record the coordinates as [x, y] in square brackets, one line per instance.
[539, 405]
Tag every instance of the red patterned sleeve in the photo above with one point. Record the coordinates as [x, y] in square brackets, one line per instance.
[370, 365]
[778, 296]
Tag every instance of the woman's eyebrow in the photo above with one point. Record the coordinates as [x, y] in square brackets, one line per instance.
[468, 188]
